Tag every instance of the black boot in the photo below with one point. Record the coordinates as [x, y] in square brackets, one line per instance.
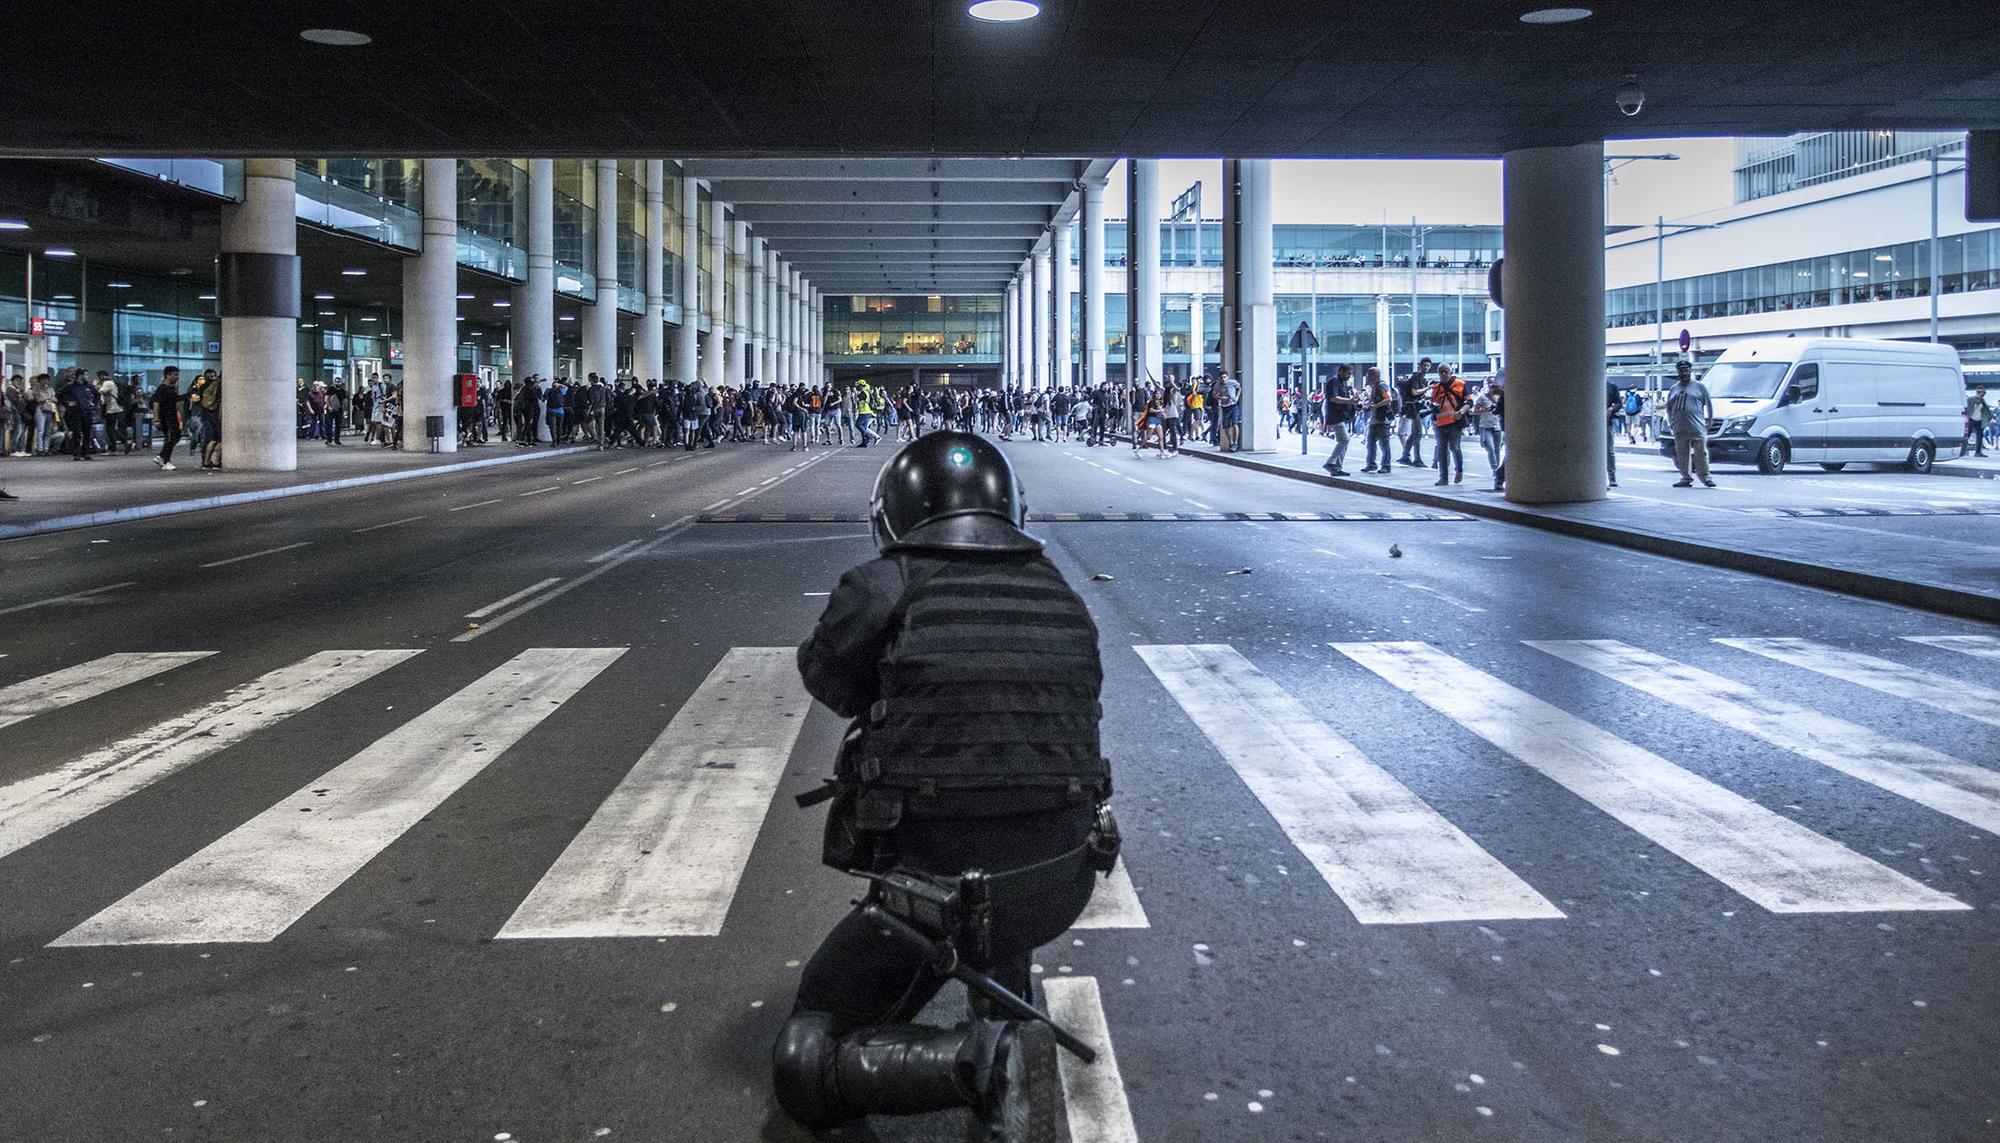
[823, 1081]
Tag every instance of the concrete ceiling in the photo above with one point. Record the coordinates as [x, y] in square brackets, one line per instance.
[886, 226]
[1329, 78]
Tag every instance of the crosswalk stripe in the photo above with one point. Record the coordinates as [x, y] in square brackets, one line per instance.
[1981, 646]
[258, 880]
[1383, 850]
[1770, 859]
[1891, 678]
[1925, 776]
[37, 806]
[1114, 904]
[59, 689]
[664, 853]
[1093, 1094]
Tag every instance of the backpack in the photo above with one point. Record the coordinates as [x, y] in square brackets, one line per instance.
[1632, 404]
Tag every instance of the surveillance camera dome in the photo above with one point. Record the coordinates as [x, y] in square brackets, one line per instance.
[1631, 97]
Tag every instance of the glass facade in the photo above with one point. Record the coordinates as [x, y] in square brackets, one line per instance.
[961, 327]
[222, 178]
[1767, 167]
[493, 216]
[377, 199]
[118, 320]
[1300, 246]
[1966, 262]
[576, 228]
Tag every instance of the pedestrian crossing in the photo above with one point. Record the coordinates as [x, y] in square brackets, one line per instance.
[665, 852]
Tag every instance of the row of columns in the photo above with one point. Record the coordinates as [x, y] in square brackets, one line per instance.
[777, 338]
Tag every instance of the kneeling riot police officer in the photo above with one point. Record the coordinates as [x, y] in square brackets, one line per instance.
[971, 672]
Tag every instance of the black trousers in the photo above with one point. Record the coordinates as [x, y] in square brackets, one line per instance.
[861, 977]
[77, 425]
[172, 431]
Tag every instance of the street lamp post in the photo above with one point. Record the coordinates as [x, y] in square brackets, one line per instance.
[1659, 280]
[1937, 156]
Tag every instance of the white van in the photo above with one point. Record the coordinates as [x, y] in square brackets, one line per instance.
[1833, 401]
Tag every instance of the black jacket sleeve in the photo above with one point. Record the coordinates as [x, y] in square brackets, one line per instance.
[840, 659]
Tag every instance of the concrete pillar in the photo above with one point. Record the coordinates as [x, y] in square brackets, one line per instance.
[797, 318]
[1024, 286]
[430, 313]
[1060, 286]
[1094, 349]
[1197, 336]
[533, 324]
[649, 344]
[1038, 352]
[767, 365]
[260, 320]
[815, 341]
[600, 321]
[781, 323]
[1010, 334]
[687, 339]
[1553, 284]
[734, 365]
[1250, 313]
[716, 354]
[1142, 270]
[760, 330]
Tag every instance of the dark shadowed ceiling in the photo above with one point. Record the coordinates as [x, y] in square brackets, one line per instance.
[734, 78]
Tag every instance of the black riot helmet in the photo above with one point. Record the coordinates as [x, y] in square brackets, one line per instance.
[950, 492]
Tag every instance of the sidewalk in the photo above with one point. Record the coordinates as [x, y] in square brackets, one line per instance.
[57, 492]
[1952, 576]
[1977, 467]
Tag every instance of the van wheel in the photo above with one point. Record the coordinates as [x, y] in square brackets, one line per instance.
[1772, 457]
[1835, 467]
[1921, 455]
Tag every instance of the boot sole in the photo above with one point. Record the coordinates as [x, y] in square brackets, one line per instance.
[1033, 1110]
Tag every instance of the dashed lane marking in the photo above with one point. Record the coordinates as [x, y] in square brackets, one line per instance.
[586, 480]
[480, 504]
[73, 597]
[257, 555]
[710, 517]
[390, 524]
[539, 491]
[514, 598]
[614, 552]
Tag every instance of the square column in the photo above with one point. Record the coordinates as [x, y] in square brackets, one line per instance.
[1038, 352]
[1095, 352]
[1024, 288]
[430, 314]
[1552, 282]
[533, 317]
[1061, 374]
[600, 321]
[715, 352]
[649, 344]
[797, 316]
[767, 366]
[259, 288]
[1142, 271]
[1010, 335]
[1197, 336]
[782, 354]
[687, 338]
[1250, 315]
[760, 330]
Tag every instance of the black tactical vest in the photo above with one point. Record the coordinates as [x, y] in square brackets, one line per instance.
[989, 694]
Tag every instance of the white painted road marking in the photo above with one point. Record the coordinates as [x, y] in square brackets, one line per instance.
[37, 806]
[257, 881]
[1114, 904]
[1093, 1094]
[662, 856]
[480, 504]
[73, 597]
[539, 491]
[1772, 860]
[1982, 646]
[58, 689]
[585, 480]
[1382, 849]
[1925, 776]
[1916, 685]
[613, 552]
[390, 524]
[514, 598]
[256, 555]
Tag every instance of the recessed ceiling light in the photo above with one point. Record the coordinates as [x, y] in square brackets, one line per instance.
[62, 297]
[464, 297]
[329, 313]
[118, 285]
[354, 272]
[307, 325]
[180, 271]
[567, 317]
[12, 224]
[204, 297]
[336, 37]
[60, 252]
[322, 297]
[369, 317]
[1556, 15]
[1884, 258]
[135, 305]
[503, 305]
[1004, 11]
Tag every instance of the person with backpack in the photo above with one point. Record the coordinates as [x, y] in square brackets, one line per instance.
[1340, 405]
[1448, 398]
[1382, 412]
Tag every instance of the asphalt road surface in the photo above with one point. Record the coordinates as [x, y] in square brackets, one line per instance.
[460, 810]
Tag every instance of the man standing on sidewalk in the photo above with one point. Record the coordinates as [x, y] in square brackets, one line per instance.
[1339, 413]
[77, 399]
[1977, 414]
[1688, 411]
[166, 401]
[1381, 421]
[1614, 410]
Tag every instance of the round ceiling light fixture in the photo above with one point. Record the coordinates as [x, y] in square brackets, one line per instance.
[336, 37]
[1004, 11]
[1556, 15]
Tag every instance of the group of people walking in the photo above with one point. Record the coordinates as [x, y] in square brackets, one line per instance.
[85, 417]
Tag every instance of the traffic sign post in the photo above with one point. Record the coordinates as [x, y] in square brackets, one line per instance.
[1302, 340]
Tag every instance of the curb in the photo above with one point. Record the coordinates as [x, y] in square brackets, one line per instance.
[1928, 597]
[1942, 468]
[252, 496]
